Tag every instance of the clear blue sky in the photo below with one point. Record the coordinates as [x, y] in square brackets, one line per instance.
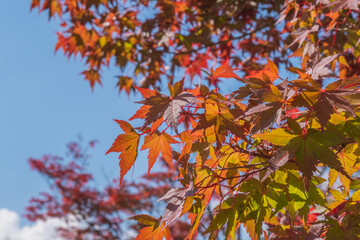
[45, 103]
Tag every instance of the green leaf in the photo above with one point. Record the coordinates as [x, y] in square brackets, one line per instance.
[355, 184]
[219, 220]
[294, 126]
[296, 191]
[327, 138]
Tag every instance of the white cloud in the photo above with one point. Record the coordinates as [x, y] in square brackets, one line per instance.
[40, 230]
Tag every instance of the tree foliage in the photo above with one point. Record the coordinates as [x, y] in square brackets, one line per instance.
[280, 154]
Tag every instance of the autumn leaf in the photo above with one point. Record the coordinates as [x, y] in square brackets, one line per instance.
[266, 115]
[326, 102]
[170, 108]
[145, 219]
[154, 233]
[158, 104]
[145, 92]
[92, 76]
[173, 110]
[278, 136]
[302, 34]
[176, 200]
[159, 143]
[348, 161]
[318, 68]
[265, 142]
[125, 83]
[282, 156]
[127, 145]
[141, 112]
[224, 71]
[273, 68]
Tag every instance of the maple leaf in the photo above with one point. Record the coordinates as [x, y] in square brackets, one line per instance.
[200, 61]
[154, 233]
[158, 104]
[177, 198]
[264, 115]
[267, 114]
[302, 33]
[281, 157]
[318, 69]
[159, 143]
[272, 66]
[125, 83]
[92, 76]
[173, 110]
[306, 149]
[141, 112]
[162, 105]
[309, 49]
[145, 92]
[224, 71]
[327, 101]
[323, 109]
[348, 161]
[145, 219]
[278, 136]
[222, 118]
[34, 4]
[127, 144]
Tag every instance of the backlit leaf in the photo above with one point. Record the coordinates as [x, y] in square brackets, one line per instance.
[159, 143]
[127, 145]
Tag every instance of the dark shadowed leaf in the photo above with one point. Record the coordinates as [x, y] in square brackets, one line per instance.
[323, 110]
[172, 112]
[267, 114]
[282, 156]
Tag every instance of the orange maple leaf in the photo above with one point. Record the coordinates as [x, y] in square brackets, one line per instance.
[141, 112]
[272, 76]
[156, 143]
[127, 145]
[154, 233]
[224, 71]
[92, 76]
[145, 92]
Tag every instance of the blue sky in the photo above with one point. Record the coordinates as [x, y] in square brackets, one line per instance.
[45, 103]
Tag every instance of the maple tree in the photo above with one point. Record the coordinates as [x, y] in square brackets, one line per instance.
[279, 155]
